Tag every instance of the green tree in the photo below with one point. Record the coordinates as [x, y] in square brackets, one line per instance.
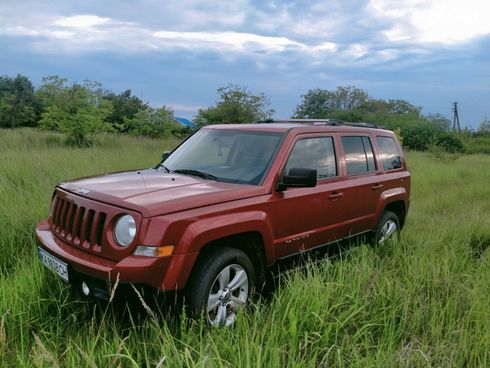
[320, 103]
[51, 91]
[17, 102]
[79, 111]
[151, 122]
[402, 107]
[439, 120]
[354, 104]
[236, 104]
[126, 106]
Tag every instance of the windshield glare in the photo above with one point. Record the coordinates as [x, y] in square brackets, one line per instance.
[235, 156]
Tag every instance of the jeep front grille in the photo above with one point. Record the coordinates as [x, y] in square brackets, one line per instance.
[78, 224]
[86, 224]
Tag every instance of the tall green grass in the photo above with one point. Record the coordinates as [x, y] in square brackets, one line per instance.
[420, 303]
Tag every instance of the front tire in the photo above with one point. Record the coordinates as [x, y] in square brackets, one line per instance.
[388, 228]
[221, 285]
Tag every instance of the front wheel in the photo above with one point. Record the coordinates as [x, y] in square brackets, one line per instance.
[388, 228]
[221, 286]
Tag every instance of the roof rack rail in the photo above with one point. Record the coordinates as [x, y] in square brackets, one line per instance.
[362, 124]
[332, 122]
[265, 121]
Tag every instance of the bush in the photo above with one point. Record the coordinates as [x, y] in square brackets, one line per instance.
[478, 143]
[450, 142]
[418, 138]
[152, 122]
[422, 136]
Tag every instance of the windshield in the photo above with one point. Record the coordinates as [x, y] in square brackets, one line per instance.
[234, 156]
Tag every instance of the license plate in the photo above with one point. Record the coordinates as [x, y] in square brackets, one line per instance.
[54, 264]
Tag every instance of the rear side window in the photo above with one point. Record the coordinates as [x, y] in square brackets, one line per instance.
[359, 157]
[314, 153]
[390, 156]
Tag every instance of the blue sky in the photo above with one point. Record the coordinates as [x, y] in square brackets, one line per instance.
[178, 52]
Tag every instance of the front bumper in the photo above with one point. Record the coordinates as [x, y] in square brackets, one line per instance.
[163, 274]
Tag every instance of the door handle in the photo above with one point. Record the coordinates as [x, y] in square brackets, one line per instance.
[335, 195]
[377, 186]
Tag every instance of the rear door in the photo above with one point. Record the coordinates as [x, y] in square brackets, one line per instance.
[363, 182]
[391, 161]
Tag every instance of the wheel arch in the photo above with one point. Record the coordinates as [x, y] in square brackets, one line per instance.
[393, 200]
[251, 243]
[398, 208]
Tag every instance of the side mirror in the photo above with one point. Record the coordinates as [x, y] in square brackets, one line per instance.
[165, 154]
[298, 178]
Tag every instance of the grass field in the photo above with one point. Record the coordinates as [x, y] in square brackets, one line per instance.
[424, 302]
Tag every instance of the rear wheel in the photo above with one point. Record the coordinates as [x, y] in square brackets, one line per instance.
[221, 286]
[388, 228]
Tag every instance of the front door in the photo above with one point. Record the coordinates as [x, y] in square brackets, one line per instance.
[309, 217]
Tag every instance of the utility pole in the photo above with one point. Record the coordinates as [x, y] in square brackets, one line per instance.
[456, 117]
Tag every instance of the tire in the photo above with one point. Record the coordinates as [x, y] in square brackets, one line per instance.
[221, 285]
[388, 228]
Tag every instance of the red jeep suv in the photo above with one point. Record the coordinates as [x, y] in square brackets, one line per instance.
[224, 207]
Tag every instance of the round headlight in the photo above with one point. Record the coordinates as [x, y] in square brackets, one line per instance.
[125, 230]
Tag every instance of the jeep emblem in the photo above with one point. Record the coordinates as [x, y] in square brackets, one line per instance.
[83, 191]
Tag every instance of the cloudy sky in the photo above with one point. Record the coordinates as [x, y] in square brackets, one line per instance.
[178, 52]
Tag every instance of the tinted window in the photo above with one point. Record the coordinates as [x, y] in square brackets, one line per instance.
[314, 153]
[359, 157]
[389, 153]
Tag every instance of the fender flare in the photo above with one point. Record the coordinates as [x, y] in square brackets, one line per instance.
[206, 230]
[390, 196]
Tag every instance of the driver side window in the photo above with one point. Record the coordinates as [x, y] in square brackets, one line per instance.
[314, 153]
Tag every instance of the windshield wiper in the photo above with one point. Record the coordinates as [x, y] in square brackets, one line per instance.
[198, 173]
[164, 167]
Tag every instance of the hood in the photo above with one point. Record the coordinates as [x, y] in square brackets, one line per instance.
[152, 192]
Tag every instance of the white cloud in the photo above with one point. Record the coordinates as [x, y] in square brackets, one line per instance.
[325, 47]
[63, 35]
[433, 21]
[18, 31]
[242, 42]
[87, 33]
[355, 51]
[81, 21]
[316, 33]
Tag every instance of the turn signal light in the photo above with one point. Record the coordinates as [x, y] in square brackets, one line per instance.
[147, 251]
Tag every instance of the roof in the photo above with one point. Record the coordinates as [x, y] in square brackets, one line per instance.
[184, 122]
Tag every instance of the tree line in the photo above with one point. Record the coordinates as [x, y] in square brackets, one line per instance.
[83, 110]
[80, 110]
